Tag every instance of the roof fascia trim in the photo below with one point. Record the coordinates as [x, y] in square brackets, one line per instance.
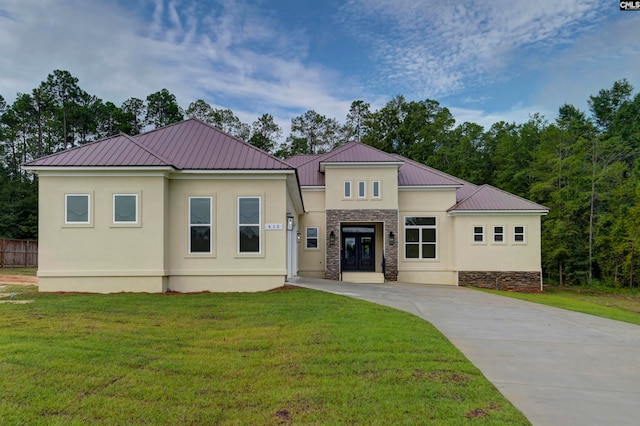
[496, 212]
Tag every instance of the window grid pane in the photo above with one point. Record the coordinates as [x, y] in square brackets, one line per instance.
[249, 224]
[420, 238]
[200, 224]
[312, 238]
[362, 189]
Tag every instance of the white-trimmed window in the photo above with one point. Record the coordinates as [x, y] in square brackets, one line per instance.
[420, 238]
[125, 209]
[498, 234]
[312, 238]
[362, 189]
[478, 234]
[200, 225]
[249, 225]
[519, 234]
[347, 189]
[375, 189]
[77, 209]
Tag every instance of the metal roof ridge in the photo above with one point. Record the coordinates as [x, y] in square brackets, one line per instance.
[350, 145]
[475, 191]
[255, 148]
[148, 150]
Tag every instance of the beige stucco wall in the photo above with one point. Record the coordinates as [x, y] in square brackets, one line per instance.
[490, 256]
[428, 202]
[222, 270]
[311, 262]
[69, 254]
[334, 185]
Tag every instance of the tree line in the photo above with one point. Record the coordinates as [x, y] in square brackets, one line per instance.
[583, 165]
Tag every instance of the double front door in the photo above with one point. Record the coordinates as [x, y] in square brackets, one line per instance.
[358, 248]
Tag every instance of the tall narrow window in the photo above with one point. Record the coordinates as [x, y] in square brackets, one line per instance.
[362, 189]
[312, 238]
[420, 238]
[478, 234]
[518, 234]
[347, 189]
[249, 224]
[200, 215]
[76, 209]
[125, 208]
[375, 189]
[498, 234]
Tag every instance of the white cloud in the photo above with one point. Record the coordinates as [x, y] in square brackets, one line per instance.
[224, 54]
[437, 47]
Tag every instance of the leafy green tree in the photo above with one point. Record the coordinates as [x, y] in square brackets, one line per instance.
[355, 127]
[133, 119]
[162, 109]
[265, 133]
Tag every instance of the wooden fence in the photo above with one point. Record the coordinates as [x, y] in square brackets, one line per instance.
[16, 253]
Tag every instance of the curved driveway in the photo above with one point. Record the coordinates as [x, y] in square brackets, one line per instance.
[558, 367]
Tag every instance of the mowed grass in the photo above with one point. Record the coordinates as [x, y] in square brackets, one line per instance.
[618, 305]
[283, 357]
[19, 271]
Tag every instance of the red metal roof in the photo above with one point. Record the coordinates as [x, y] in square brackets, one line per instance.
[116, 151]
[188, 145]
[487, 197]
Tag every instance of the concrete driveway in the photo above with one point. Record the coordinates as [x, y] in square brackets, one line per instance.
[558, 367]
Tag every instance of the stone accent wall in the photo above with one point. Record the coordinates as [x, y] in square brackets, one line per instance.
[390, 220]
[502, 280]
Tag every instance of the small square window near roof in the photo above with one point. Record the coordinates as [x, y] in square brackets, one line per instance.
[77, 209]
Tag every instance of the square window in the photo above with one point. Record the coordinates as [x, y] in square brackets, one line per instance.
[518, 234]
[420, 238]
[125, 208]
[77, 208]
[498, 234]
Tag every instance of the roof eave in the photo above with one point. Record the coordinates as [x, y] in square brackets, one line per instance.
[407, 188]
[456, 212]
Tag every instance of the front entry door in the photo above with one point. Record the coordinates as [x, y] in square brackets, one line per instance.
[358, 248]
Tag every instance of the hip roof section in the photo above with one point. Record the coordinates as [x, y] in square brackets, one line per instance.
[187, 145]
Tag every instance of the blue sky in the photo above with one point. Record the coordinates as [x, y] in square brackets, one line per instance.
[484, 60]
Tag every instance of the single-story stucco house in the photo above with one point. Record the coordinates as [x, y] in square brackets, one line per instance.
[190, 208]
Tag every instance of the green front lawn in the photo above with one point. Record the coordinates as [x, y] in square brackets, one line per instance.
[619, 305]
[283, 357]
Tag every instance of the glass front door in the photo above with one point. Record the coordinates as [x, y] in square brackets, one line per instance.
[358, 248]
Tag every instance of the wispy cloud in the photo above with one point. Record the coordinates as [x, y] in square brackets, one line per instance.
[437, 48]
[226, 53]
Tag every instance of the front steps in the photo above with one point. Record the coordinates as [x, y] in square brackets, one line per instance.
[363, 277]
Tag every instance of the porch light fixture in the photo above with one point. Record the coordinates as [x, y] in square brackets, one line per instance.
[392, 238]
[332, 238]
[289, 223]
[298, 237]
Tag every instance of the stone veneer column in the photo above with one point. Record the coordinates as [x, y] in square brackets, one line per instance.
[390, 220]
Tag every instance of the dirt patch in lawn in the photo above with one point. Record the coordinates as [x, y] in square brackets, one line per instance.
[18, 280]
